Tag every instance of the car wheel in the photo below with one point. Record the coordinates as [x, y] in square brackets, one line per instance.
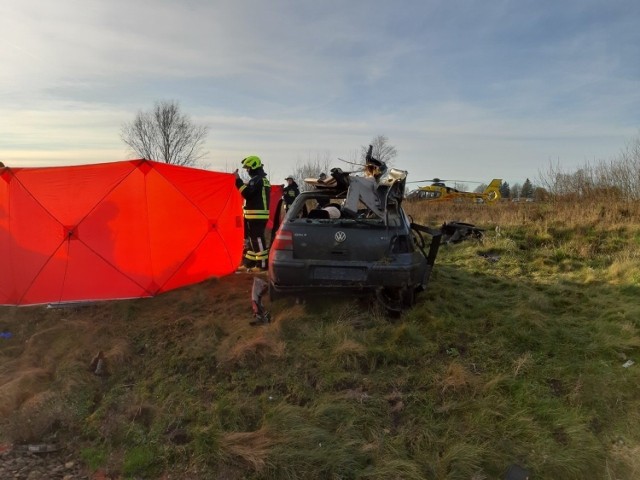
[391, 299]
[395, 300]
[408, 296]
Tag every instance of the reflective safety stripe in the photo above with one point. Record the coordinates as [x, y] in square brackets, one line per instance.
[266, 184]
[250, 255]
[262, 253]
[256, 214]
[242, 188]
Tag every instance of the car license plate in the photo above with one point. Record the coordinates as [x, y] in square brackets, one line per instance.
[345, 274]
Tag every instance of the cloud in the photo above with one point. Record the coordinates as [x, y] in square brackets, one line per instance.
[475, 87]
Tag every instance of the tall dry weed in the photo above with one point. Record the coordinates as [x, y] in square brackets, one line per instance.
[37, 416]
[349, 353]
[605, 213]
[23, 385]
[249, 448]
[456, 379]
[252, 351]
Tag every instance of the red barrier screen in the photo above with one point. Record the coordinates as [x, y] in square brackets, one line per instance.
[115, 230]
[274, 197]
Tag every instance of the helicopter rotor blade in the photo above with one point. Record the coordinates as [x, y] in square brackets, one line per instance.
[443, 180]
[430, 180]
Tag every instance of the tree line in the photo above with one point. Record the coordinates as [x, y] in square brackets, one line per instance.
[615, 179]
[166, 134]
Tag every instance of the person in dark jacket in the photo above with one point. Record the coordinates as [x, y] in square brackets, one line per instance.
[290, 192]
[256, 212]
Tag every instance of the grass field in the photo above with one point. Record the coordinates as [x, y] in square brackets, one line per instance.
[520, 352]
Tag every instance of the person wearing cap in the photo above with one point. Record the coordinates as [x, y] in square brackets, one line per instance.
[256, 212]
[290, 192]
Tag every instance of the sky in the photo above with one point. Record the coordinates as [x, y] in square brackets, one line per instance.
[463, 89]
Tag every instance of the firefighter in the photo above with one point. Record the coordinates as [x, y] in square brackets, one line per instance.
[290, 192]
[256, 212]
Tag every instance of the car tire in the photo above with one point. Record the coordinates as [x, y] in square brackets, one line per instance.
[408, 296]
[392, 299]
[397, 300]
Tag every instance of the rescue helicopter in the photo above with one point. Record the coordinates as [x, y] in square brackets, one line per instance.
[439, 191]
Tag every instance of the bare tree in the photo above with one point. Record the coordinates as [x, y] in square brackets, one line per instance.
[516, 191]
[165, 134]
[617, 178]
[381, 150]
[462, 187]
[311, 168]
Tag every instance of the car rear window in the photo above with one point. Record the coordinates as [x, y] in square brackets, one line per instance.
[323, 209]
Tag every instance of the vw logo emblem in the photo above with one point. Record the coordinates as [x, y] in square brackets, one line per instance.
[340, 236]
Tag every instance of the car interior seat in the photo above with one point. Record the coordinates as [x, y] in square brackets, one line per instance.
[318, 214]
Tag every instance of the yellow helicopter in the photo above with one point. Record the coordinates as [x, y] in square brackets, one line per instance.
[438, 191]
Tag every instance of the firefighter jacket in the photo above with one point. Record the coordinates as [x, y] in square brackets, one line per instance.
[256, 195]
[289, 193]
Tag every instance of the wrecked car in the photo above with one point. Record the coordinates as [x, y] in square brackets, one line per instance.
[350, 233]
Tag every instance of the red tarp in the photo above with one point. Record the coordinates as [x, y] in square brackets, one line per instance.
[274, 198]
[115, 230]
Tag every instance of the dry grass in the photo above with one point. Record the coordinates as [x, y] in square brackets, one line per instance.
[249, 448]
[499, 363]
[349, 353]
[456, 379]
[624, 461]
[522, 363]
[252, 351]
[39, 416]
[605, 213]
[23, 385]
